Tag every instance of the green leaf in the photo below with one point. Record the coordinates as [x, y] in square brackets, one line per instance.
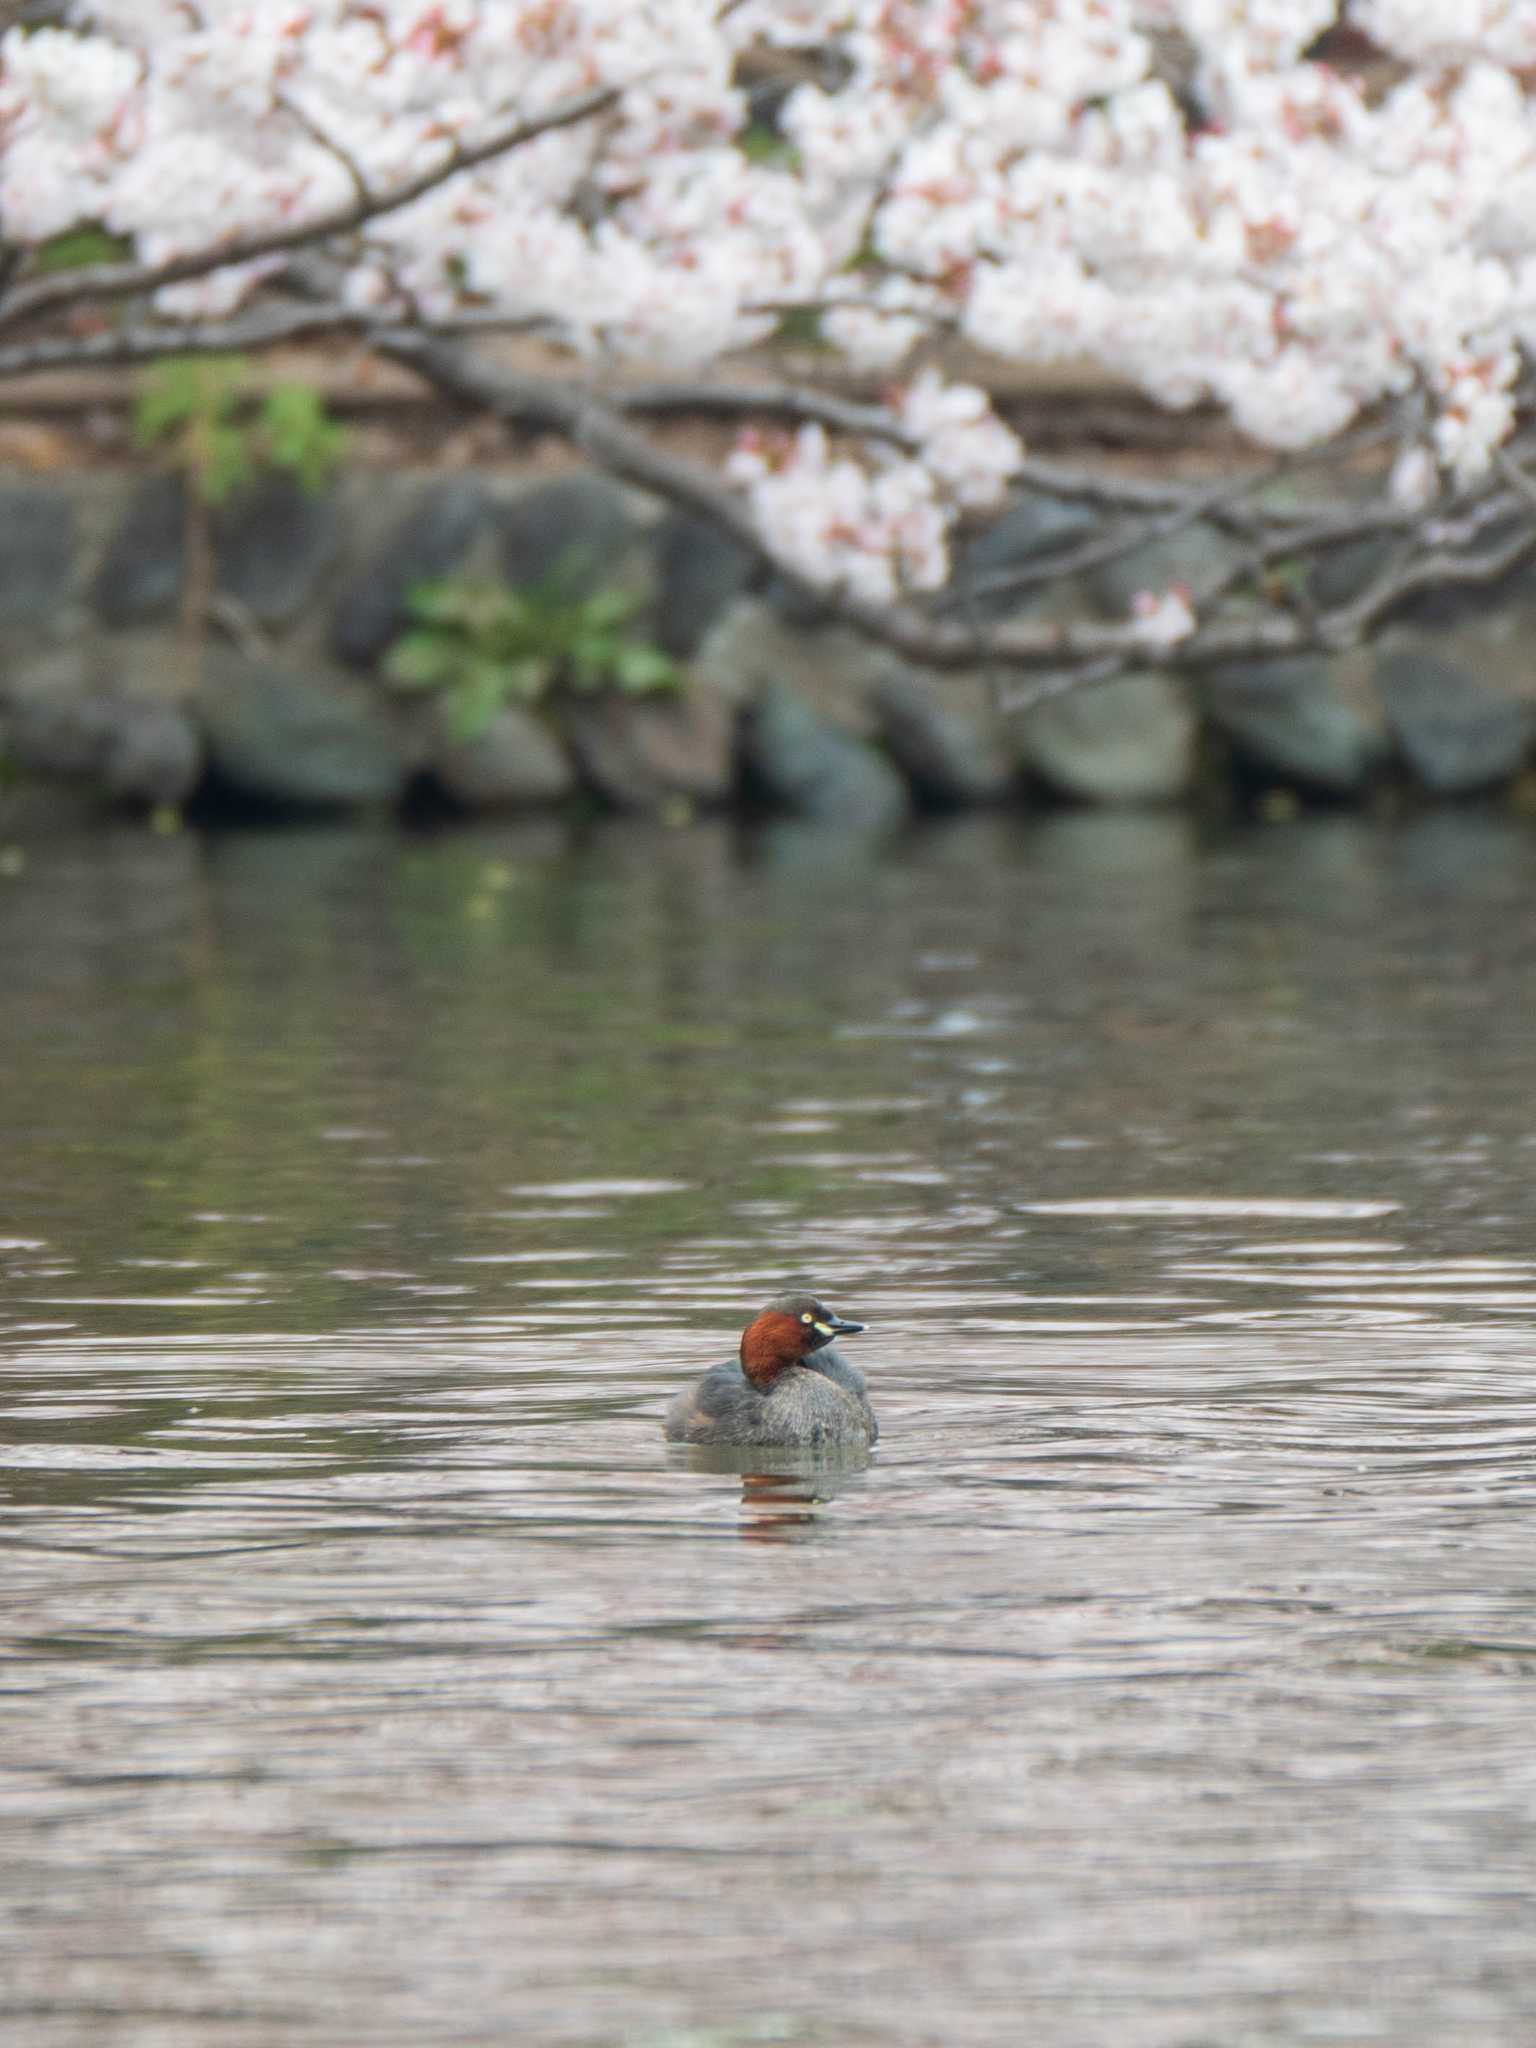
[187, 390]
[607, 607]
[486, 672]
[290, 415]
[163, 404]
[300, 434]
[226, 462]
[485, 644]
[422, 661]
[321, 460]
[640, 668]
[475, 701]
[435, 603]
[470, 605]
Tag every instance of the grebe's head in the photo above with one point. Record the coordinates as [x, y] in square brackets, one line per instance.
[790, 1328]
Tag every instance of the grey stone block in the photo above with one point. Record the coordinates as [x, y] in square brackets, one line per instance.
[1199, 556]
[515, 763]
[37, 553]
[1035, 527]
[1286, 719]
[578, 529]
[795, 762]
[274, 542]
[702, 573]
[430, 541]
[139, 578]
[295, 739]
[753, 647]
[949, 762]
[66, 725]
[1457, 735]
[636, 753]
[155, 755]
[1130, 740]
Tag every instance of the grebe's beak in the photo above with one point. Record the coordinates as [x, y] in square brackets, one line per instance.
[838, 1326]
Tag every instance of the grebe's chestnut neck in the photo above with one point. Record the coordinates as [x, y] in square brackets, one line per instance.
[788, 1330]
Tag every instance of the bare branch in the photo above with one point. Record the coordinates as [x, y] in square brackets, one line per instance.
[1079, 652]
[1437, 569]
[1099, 487]
[1105, 547]
[595, 426]
[1026, 696]
[152, 343]
[122, 280]
[759, 401]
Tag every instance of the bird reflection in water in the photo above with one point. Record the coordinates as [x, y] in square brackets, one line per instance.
[779, 1507]
[784, 1494]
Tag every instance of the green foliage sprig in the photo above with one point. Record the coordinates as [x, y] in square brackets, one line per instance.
[221, 427]
[483, 645]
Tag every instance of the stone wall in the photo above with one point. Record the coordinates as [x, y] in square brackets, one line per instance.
[285, 710]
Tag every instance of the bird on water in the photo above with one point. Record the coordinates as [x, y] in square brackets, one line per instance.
[789, 1388]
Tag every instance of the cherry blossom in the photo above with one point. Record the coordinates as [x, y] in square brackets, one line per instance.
[1252, 227]
[838, 524]
[1163, 617]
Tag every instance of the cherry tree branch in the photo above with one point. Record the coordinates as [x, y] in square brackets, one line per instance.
[265, 327]
[1101, 488]
[1104, 548]
[1434, 569]
[596, 424]
[1440, 549]
[95, 281]
[262, 327]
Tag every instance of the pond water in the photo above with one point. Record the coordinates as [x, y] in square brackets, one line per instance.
[372, 1673]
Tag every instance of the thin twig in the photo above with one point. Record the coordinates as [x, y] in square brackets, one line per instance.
[362, 190]
[1437, 569]
[1104, 548]
[702, 399]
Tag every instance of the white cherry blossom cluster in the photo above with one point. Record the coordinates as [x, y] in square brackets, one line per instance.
[1295, 243]
[875, 528]
[871, 531]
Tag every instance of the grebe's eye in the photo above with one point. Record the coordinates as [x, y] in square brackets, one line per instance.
[807, 1317]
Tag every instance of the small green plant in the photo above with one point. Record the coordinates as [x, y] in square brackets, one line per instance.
[219, 427]
[483, 645]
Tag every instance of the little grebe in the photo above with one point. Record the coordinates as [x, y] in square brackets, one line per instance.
[789, 1387]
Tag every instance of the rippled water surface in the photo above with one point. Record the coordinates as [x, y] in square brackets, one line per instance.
[372, 1674]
